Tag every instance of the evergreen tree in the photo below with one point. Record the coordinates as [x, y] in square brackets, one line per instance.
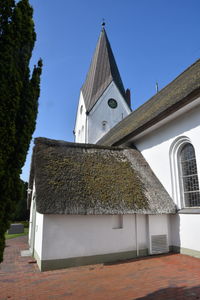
[21, 213]
[19, 93]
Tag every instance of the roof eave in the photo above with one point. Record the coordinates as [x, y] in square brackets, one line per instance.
[178, 105]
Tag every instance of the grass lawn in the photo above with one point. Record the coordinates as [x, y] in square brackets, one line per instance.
[11, 236]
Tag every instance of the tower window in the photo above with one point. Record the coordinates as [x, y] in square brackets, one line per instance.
[188, 176]
[104, 125]
[112, 103]
[81, 109]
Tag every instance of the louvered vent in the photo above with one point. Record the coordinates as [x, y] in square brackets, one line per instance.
[159, 244]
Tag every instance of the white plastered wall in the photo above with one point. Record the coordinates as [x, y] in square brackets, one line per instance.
[188, 236]
[35, 227]
[81, 121]
[30, 223]
[32, 214]
[101, 112]
[68, 236]
[142, 231]
[159, 225]
[155, 147]
[38, 245]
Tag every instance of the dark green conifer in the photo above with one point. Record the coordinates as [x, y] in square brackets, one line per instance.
[19, 93]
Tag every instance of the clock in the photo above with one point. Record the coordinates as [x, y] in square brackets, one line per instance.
[112, 103]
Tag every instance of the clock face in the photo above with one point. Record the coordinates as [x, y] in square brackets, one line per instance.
[112, 103]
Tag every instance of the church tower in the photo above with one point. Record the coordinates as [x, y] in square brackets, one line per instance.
[103, 101]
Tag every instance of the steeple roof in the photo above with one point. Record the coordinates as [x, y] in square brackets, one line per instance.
[103, 70]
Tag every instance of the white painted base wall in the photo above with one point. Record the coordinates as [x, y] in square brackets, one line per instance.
[67, 236]
[30, 231]
[39, 234]
[185, 231]
[158, 225]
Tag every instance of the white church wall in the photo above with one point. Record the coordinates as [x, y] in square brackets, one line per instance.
[38, 244]
[76, 236]
[185, 231]
[175, 230]
[189, 231]
[159, 234]
[30, 231]
[142, 231]
[31, 215]
[158, 224]
[155, 147]
[102, 117]
[80, 125]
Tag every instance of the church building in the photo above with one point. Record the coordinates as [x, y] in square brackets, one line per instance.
[129, 185]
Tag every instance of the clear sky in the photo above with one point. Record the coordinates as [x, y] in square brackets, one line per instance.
[152, 40]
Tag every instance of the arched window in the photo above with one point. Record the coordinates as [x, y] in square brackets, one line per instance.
[184, 173]
[188, 176]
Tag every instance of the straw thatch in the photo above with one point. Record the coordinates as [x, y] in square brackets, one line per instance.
[89, 179]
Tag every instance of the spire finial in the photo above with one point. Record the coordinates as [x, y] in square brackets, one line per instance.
[103, 23]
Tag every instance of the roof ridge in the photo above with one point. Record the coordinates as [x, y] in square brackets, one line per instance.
[166, 86]
[60, 143]
[163, 89]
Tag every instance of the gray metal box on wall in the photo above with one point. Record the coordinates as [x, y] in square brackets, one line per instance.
[16, 228]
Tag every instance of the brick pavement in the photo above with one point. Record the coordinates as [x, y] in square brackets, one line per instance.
[170, 277]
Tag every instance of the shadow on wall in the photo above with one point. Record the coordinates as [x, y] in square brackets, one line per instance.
[173, 293]
[175, 232]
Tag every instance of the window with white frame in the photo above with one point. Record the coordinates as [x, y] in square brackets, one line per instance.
[188, 176]
[184, 173]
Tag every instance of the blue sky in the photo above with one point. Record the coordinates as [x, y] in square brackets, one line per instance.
[152, 40]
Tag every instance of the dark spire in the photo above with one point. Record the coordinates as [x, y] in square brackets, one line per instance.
[103, 70]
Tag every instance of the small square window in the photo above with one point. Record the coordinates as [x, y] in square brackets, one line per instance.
[117, 221]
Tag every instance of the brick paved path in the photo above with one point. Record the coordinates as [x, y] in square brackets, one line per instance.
[169, 277]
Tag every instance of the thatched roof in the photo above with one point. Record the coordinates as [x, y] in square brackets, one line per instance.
[89, 179]
[181, 91]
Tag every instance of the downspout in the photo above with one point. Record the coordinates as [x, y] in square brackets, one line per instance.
[136, 236]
